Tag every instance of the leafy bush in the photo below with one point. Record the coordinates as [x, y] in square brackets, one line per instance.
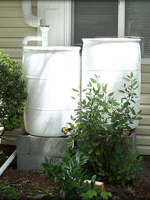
[12, 93]
[69, 175]
[96, 143]
[100, 122]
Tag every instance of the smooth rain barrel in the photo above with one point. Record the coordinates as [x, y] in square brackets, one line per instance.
[51, 73]
[112, 59]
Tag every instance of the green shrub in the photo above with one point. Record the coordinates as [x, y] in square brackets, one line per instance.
[12, 93]
[101, 121]
[69, 175]
[95, 145]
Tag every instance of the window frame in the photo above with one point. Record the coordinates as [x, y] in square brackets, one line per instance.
[121, 24]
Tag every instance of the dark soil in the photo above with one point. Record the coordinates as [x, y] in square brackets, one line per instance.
[32, 183]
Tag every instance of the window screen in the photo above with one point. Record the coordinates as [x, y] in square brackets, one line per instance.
[95, 18]
[138, 23]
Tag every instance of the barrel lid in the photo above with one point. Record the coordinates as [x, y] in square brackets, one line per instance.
[102, 40]
[51, 48]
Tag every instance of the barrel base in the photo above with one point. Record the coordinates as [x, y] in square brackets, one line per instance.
[32, 150]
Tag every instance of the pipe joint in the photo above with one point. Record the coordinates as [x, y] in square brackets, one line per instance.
[30, 19]
[32, 38]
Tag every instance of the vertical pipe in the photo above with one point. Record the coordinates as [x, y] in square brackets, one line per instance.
[44, 31]
[121, 18]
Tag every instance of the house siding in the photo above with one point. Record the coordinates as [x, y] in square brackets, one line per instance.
[143, 130]
[13, 28]
[12, 31]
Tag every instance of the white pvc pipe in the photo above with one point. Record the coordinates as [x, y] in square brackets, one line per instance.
[43, 38]
[30, 19]
[8, 162]
[44, 32]
[32, 38]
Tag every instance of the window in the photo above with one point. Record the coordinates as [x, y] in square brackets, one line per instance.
[113, 18]
[96, 18]
[137, 23]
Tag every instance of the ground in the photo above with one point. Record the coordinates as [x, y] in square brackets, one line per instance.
[139, 191]
[32, 184]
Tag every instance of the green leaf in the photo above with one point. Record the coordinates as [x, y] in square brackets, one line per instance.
[132, 100]
[121, 91]
[90, 151]
[89, 84]
[89, 194]
[93, 179]
[138, 118]
[75, 90]
[73, 98]
[135, 83]
[111, 94]
[97, 153]
[126, 79]
[99, 86]
[133, 111]
[104, 87]
[93, 80]
[106, 195]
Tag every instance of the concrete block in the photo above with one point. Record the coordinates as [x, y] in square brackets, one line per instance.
[32, 150]
[23, 145]
[53, 147]
[31, 162]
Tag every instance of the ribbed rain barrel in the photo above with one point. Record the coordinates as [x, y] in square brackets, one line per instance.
[51, 73]
[112, 59]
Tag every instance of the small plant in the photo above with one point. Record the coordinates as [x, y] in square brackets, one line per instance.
[101, 121]
[12, 93]
[69, 175]
[8, 193]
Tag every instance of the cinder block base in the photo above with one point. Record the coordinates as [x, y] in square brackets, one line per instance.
[32, 150]
[31, 162]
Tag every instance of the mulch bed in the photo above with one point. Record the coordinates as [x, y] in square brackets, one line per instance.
[33, 183]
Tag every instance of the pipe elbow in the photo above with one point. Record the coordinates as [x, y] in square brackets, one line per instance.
[30, 19]
[32, 38]
[33, 21]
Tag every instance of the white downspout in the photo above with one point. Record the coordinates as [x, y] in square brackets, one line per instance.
[7, 163]
[34, 21]
[30, 19]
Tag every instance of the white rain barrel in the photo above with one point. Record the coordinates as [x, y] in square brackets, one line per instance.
[112, 59]
[51, 73]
